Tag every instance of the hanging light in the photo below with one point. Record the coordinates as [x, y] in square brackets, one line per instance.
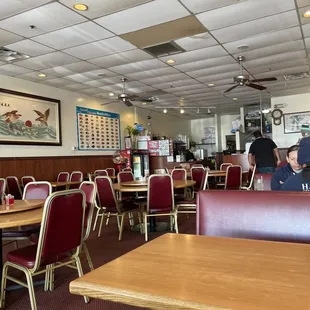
[182, 111]
[165, 110]
[198, 111]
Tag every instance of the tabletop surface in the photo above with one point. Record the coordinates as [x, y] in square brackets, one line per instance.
[21, 205]
[199, 272]
[33, 216]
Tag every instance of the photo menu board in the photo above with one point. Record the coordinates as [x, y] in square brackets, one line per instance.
[97, 129]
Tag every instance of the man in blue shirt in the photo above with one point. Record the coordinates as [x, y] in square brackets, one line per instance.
[283, 173]
[301, 181]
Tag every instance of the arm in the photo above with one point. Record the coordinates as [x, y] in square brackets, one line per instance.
[250, 160]
[276, 180]
[277, 155]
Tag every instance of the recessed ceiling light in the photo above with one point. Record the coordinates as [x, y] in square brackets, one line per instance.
[211, 84]
[182, 111]
[170, 61]
[243, 47]
[165, 111]
[307, 14]
[235, 99]
[111, 94]
[144, 103]
[80, 7]
[101, 74]
[41, 75]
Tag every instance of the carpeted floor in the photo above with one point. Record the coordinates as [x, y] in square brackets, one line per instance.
[102, 250]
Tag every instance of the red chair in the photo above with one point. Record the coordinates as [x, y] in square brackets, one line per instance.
[197, 175]
[266, 180]
[2, 188]
[111, 172]
[101, 172]
[127, 169]
[198, 166]
[59, 242]
[107, 201]
[76, 176]
[249, 185]
[125, 176]
[27, 179]
[179, 174]
[14, 187]
[63, 177]
[160, 200]
[233, 178]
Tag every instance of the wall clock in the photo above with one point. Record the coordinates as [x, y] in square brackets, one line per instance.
[277, 116]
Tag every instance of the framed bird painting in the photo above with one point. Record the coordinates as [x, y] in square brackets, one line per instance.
[29, 119]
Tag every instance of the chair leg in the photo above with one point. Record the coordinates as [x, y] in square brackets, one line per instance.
[176, 223]
[31, 290]
[90, 263]
[108, 218]
[118, 223]
[80, 272]
[47, 279]
[131, 219]
[100, 226]
[3, 286]
[96, 219]
[121, 228]
[145, 226]
[52, 278]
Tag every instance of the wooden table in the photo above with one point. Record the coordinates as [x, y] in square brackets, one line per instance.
[198, 272]
[66, 184]
[143, 188]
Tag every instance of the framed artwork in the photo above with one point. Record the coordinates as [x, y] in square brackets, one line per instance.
[29, 119]
[294, 121]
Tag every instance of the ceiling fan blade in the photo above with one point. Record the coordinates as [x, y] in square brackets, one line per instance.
[259, 87]
[265, 80]
[128, 103]
[231, 88]
[109, 102]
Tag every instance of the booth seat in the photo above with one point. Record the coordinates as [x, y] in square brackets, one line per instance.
[263, 215]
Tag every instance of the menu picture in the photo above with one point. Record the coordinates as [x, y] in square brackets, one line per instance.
[97, 129]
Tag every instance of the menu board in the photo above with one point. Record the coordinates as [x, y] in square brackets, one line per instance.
[159, 147]
[97, 129]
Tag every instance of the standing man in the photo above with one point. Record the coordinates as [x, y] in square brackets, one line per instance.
[265, 152]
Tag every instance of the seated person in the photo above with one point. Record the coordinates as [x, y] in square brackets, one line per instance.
[288, 170]
[300, 181]
[190, 154]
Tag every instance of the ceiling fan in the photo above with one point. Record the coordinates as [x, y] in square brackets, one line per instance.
[244, 79]
[127, 98]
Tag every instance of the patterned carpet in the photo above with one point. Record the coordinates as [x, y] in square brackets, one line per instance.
[102, 250]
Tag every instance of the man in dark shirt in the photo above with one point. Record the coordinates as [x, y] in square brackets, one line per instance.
[265, 152]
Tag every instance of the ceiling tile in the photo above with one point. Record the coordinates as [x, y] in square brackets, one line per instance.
[8, 37]
[165, 79]
[214, 70]
[12, 7]
[127, 21]
[76, 86]
[79, 77]
[138, 66]
[306, 30]
[29, 48]
[47, 61]
[90, 91]
[45, 18]
[215, 77]
[201, 54]
[57, 82]
[257, 26]
[177, 84]
[152, 73]
[97, 8]
[242, 12]
[74, 35]
[196, 42]
[301, 12]
[265, 40]
[199, 6]
[121, 58]
[277, 73]
[76, 67]
[106, 81]
[100, 48]
[301, 3]
[307, 42]
[13, 70]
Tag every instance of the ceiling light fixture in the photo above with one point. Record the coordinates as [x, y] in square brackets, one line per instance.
[234, 99]
[307, 14]
[266, 111]
[111, 94]
[209, 111]
[144, 103]
[182, 111]
[170, 61]
[80, 7]
[41, 75]
[198, 111]
[211, 84]
[165, 111]
[243, 47]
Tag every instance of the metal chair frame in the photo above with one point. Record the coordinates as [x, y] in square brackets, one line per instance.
[249, 187]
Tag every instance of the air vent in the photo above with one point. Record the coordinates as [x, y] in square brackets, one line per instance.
[296, 76]
[165, 49]
[11, 56]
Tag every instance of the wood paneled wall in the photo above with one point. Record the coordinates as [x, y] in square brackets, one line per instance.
[47, 168]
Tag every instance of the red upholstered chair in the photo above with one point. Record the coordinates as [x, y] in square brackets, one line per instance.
[266, 180]
[125, 176]
[198, 166]
[179, 174]
[160, 200]
[197, 175]
[27, 179]
[59, 242]
[111, 207]
[111, 172]
[249, 184]
[233, 178]
[76, 176]
[63, 177]
[101, 172]
[13, 187]
[2, 188]
[127, 169]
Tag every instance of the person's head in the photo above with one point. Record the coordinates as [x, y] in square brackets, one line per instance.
[291, 157]
[257, 134]
[192, 148]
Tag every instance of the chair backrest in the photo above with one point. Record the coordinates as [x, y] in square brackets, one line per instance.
[251, 174]
[62, 226]
[233, 178]
[179, 174]
[27, 179]
[266, 180]
[198, 165]
[127, 169]
[2, 187]
[63, 176]
[89, 189]
[101, 172]
[125, 176]
[224, 166]
[37, 190]
[197, 176]
[111, 172]
[76, 176]
[160, 195]
[105, 194]
[13, 187]
[205, 184]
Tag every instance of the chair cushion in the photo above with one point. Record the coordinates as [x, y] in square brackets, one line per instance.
[23, 232]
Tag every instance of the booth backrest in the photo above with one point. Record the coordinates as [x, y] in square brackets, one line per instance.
[263, 215]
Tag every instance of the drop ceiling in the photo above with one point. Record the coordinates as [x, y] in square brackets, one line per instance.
[90, 51]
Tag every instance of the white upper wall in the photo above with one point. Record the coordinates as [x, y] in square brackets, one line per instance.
[226, 127]
[160, 123]
[295, 103]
